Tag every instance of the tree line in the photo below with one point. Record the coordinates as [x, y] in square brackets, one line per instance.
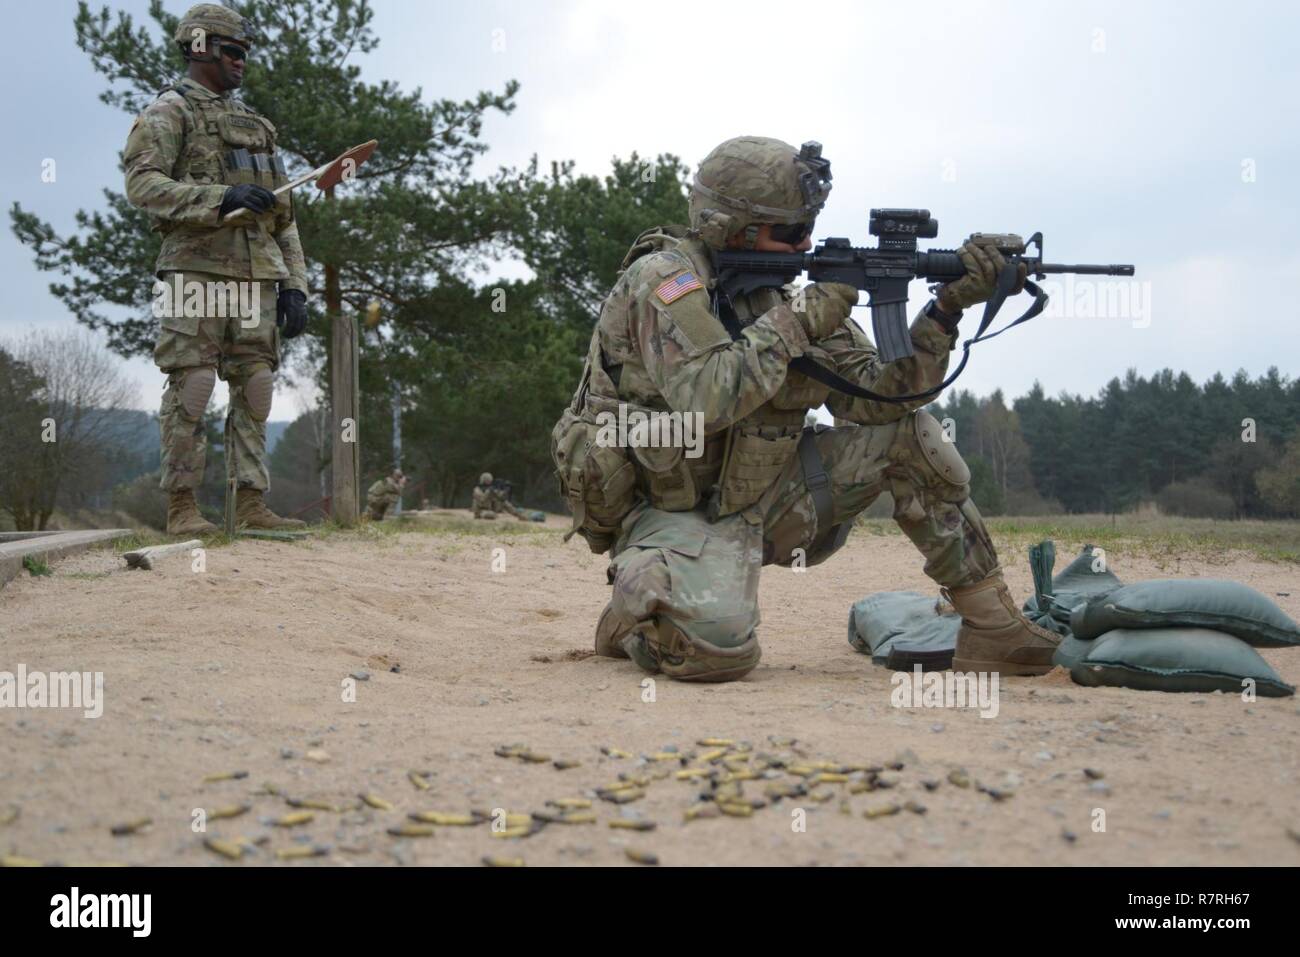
[478, 367]
[1229, 448]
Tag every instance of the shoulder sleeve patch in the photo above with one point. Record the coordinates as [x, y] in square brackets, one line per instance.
[670, 290]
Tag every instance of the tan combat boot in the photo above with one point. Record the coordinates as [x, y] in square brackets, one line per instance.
[183, 516]
[608, 639]
[994, 635]
[251, 512]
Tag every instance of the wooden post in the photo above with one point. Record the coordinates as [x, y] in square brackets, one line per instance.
[344, 398]
[397, 437]
[232, 479]
[231, 494]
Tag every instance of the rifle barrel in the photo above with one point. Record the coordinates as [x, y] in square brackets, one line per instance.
[1084, 269]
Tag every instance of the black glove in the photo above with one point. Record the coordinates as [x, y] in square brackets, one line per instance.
[290, 311]
[247, 196]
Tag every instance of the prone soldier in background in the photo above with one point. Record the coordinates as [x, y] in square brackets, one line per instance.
[493, 496]
[501, 492]
[195, 155]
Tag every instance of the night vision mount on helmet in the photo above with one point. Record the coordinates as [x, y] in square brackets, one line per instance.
[752, 180]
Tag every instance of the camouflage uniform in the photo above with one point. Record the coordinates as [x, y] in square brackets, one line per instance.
[484, 502]
[499, 500]
[382, 496]
[184, 150]
[685, 560]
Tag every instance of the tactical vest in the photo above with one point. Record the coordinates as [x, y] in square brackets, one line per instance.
[227, 143]
[602, 483]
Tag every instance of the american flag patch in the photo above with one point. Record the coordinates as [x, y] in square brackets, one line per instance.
[678, 286]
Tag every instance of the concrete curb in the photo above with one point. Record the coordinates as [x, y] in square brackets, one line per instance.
[15, 546]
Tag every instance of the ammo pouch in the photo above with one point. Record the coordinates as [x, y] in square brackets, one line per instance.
[231, 148]
[755, 459]
[596, 477]
[666, 477]
[252, 159]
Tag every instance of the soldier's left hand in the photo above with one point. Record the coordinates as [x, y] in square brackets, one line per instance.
[983, 264]
[291, 312]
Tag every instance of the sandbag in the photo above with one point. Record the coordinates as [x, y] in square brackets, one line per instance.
[1087, 577]
[931, 646]
[907, 620]
[1071, 651]
[1226, 606]
[1177, 659]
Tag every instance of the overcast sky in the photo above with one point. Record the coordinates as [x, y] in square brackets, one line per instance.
[1159, 133]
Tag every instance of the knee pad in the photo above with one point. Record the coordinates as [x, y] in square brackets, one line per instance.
[195, 389]
[661, 645]
[938, 453]
[663, 626]
[258, 390]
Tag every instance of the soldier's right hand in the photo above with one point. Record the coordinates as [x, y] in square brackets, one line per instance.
[825, 307]
[247, 196]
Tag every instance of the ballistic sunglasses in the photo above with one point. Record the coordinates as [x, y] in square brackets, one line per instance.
[791, 233]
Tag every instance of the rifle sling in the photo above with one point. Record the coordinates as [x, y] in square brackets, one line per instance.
[815, 478]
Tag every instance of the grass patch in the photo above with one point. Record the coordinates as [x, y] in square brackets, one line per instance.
[1162, 537]
[129, 543]
[36, 565]
[147, 539]
[455, 525]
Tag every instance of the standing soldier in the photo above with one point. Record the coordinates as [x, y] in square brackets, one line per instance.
[193, 156]
[384, 494]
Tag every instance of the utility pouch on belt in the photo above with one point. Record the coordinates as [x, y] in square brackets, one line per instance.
[596, 477]
[669, 484]
[757, 456]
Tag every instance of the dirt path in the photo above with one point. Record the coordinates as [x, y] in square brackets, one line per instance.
[239, 668]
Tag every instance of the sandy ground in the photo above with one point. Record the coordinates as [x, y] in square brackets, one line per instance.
[240, 668]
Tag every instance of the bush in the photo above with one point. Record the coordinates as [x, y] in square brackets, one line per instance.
[1196, 498]
[143, 500]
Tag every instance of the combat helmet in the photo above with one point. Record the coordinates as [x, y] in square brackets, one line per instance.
[485, 478]
[750, 180]
[205, 20]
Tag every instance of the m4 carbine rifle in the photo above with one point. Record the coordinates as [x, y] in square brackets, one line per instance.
[884, 272]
